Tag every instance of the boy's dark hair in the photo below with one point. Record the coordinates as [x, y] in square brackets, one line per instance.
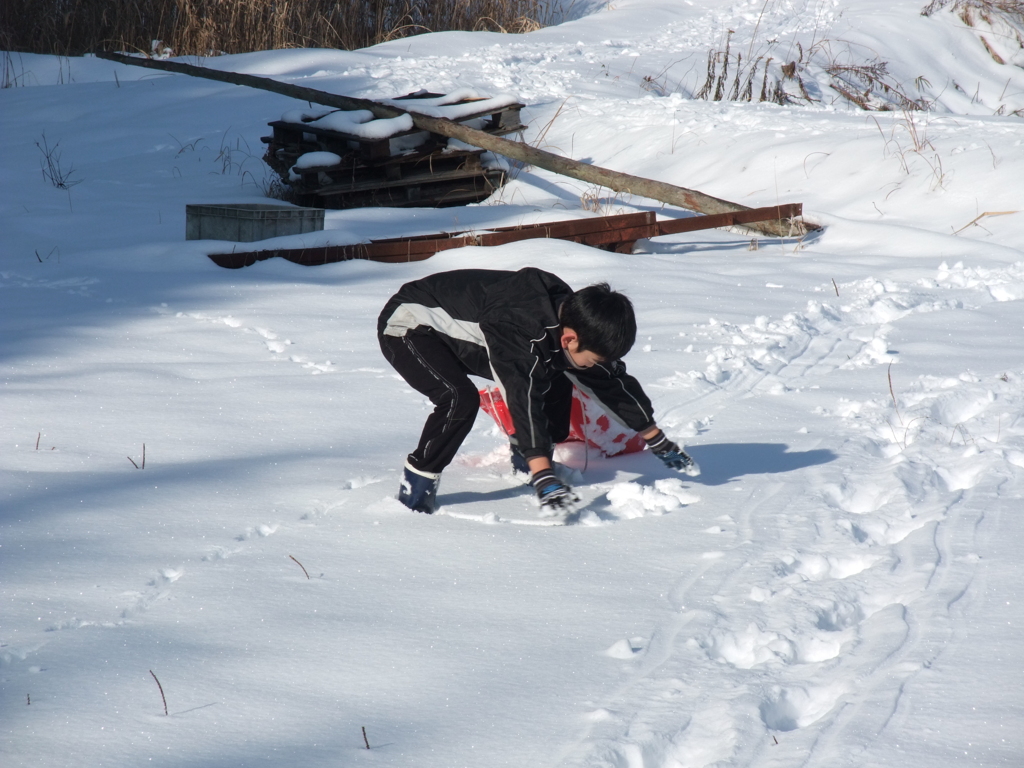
[602, 318]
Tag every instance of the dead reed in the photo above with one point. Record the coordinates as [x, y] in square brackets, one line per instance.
[987, 10]
[1001, 20]
[211, 27]
[865, 83]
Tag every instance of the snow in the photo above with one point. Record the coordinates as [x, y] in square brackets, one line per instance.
[361, 123]
[840, 585]
[446, 106]
[317, 160]
[306, 115]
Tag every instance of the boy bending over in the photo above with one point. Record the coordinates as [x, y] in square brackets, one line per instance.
[533, 335]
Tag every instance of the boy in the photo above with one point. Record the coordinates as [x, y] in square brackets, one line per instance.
[529, 332]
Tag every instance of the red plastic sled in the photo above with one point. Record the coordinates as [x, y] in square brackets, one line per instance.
[588, 423]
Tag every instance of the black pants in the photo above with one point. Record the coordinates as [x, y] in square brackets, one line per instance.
[433, 369]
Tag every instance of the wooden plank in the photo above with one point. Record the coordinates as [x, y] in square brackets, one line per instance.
[583, 226]
[428, 247]
[407, 181]
[629, 234]
[730, 219]
[464, 159]
[422, 193]
[620, 231]
[545, 231]
[772, 212]
[589, 224]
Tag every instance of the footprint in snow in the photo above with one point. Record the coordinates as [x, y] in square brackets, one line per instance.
[882, 532]
[1016, 458]
[748, 648]
[626, 649]
[858, 498]
[839, 615]
[273, 342]
[321, 509]
[959, 407]
[787, 708]
[158, 588]
[751, 647]
[260, 530]
[218, 553]
[810, 567]
[709, 738]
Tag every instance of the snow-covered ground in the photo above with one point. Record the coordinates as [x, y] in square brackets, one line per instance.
[841, 585]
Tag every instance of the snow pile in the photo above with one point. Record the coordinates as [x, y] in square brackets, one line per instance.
[306, 115]
[317, 160]
[359, 122]
[631, 500]
[448, 106]
[362, 123]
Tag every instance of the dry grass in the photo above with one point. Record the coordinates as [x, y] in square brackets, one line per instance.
[999, 25]
[987, 10]
[723, 64]
[210, 27]
[761, 78]
[1001, 20]
[864, 83]
[870, 87]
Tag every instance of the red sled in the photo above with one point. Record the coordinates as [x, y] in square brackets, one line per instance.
[588, 423]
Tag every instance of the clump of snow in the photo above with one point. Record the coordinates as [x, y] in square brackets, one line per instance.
[447, 107]
[633, 500]
[359, 122]
[749, 647]
[625, 649]
[363, 124]
[306, 115]
[317, 160]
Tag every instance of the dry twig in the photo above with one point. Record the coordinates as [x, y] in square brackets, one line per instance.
[980, 216]
[159, 686]
[893, 395]
[301, 566]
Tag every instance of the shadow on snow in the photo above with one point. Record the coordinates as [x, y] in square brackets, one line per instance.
[723, 462]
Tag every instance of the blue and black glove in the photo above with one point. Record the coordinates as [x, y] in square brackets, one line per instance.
[555, 496]
[671, 454]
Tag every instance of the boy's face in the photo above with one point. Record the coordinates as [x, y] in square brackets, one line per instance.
[580, 359]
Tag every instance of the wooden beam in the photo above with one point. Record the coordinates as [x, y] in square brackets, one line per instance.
[777, 213]
[625, 183]
[618, 231]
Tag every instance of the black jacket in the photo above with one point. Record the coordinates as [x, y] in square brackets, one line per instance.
[504, 326]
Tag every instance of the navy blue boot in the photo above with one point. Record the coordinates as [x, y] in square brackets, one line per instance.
[419, 490]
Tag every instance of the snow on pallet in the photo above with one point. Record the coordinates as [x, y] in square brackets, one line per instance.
[351, 159]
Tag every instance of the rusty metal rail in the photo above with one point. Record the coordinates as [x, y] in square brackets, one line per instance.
[616, 233]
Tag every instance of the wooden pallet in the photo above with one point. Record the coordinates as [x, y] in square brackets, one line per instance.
[615, 233]
[372, 172]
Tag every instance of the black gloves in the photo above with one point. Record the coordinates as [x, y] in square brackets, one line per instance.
[554, 495]
[671, 454]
